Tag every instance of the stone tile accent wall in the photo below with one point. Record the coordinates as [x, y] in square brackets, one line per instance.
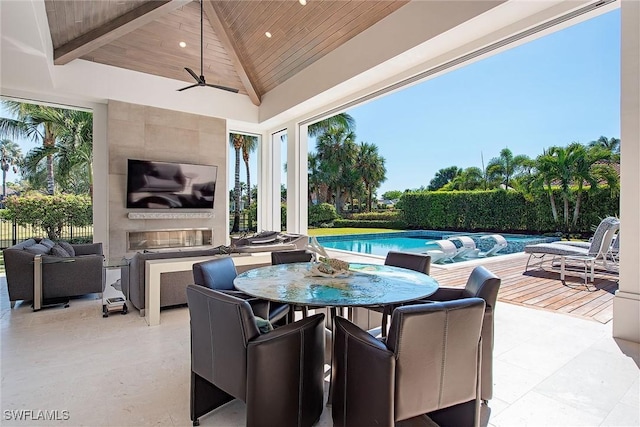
[149, 133]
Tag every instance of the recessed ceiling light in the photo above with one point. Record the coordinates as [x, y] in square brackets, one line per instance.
[303, 2]
[268, 34]
[182, 44]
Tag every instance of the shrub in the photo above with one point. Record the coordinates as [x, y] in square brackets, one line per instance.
[391, 215]
[322, 213]
[502, 211]
[355, 223]
[51, 213]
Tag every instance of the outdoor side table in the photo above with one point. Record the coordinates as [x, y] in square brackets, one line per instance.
[115, 304]
[588, 262]
[38, 301]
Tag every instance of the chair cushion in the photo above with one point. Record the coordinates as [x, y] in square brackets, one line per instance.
[37, 249]
[59, 251]
[67, 247]
[555, 249]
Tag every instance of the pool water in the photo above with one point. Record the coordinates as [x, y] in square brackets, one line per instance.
[381, 246]
[421, 241]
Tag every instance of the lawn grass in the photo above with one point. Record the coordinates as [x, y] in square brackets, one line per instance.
[346, 230]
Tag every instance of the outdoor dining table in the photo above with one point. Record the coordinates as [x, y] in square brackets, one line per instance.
[364, 285]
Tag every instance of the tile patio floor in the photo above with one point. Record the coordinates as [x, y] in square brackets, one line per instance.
[551, 369]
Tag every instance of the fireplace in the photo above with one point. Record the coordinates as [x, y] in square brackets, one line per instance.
[162, 239]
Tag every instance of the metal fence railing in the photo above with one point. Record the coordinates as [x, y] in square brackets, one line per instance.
[11, 233]
[244, 221]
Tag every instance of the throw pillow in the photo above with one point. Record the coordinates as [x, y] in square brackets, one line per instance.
[59, 251]
[264, 325]
[67, 247]
[37, 249]
[48, 243]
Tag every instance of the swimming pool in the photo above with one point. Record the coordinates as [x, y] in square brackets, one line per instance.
[421, 241]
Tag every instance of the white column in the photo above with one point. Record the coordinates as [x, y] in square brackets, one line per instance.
[100, 177]
[297, 179]
[264, 182]
[626, 304]
[269, 187]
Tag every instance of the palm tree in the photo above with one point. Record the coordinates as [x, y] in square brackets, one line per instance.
[443, 177]
[336, 152]
[73, 150]
[249, 145]
[10, 157]
[341, 121]
[611, 144]
[468, 179]
[371, 168]
[505, 166]
[584, 171]
[560, 165]
[546, 165]
[36, 122]
[236, 141]
[315, 176]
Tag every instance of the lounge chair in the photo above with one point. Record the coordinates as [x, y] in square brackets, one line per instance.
[447, 251]
[599, 250]
[500, 244]
[466, 247]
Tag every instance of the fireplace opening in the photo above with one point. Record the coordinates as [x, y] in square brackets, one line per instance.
[162, 239]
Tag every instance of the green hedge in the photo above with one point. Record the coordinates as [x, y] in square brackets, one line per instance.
[50, 213]
[321, 214]
[503, 211]
[355, 223]
[391, 215]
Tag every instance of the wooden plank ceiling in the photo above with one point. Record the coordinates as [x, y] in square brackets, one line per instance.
[144, 36]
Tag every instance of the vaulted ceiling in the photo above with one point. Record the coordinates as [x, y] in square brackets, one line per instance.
[144, 36]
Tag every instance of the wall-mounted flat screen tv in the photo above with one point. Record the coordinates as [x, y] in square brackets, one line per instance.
[164, 185]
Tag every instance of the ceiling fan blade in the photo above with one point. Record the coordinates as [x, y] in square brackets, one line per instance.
[229, 89]
[194, 75]
[188, 87]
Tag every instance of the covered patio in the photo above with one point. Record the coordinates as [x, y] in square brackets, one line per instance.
[563, 356]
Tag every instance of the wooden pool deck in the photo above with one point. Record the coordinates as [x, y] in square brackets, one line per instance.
[537, 288]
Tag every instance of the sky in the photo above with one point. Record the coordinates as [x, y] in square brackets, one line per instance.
[557, 89]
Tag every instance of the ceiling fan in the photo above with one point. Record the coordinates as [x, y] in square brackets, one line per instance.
[200, 79]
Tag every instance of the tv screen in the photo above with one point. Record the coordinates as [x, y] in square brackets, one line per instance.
[164, 185]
